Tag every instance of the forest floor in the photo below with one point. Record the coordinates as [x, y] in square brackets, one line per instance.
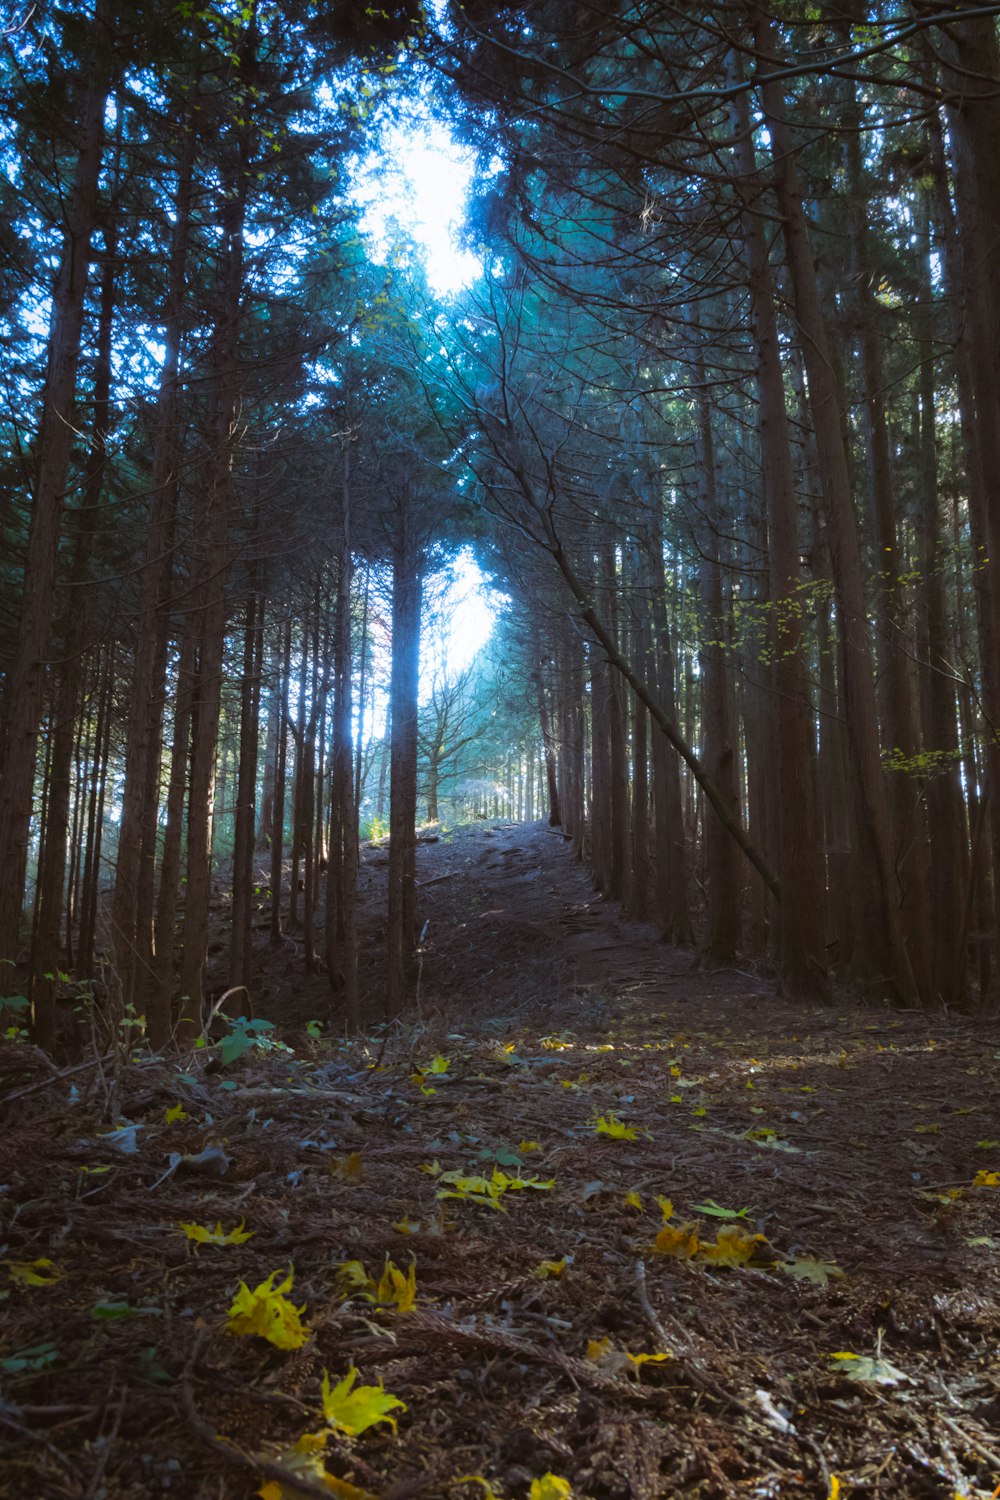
[830, 1322]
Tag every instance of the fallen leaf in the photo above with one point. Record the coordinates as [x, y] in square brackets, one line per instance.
[732, 1247]
[610, 1125]
[870, 1371]
[352, 1410]
[682, 1242]
[986, 1179]
[217, 1236]
[267, 1313]
[351, 1169]
[550, 1487]
[987, 1145]
[805, 1268]
[525, 1147]
[489, 1493]
[305, 1459]
[175, 1114]
[354, 1278]
[397, 1288]
[547, 1268]
[638, 1360]
[438, 1064]
[41, 1272]
[716, 1211]
[632, 1200]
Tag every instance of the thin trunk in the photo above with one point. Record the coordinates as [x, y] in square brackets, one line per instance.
[25, 683]
[403, 691]
[280, 779]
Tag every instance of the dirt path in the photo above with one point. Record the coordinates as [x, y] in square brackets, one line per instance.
[848, 1140]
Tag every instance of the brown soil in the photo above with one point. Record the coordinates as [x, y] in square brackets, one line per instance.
[850, 1136]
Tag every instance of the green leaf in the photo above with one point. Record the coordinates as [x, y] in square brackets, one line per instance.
[37, 1357]
[716, 1211]
[233, 1046]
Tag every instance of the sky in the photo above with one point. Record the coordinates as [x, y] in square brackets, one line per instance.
[419, 179]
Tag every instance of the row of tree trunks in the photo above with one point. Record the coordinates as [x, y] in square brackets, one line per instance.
[25, 683]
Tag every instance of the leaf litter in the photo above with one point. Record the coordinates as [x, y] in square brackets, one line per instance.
[817, 1321]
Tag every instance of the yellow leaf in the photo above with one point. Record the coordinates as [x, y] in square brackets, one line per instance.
[547, 1268]
[407, 1226]
[597, 1349]
[351, 1169]
[638, 1360]
[733, 1247]
[681, 1242]
[550, 1487]
[986, 1179]
[178, 1112]
[354, 1278]
[438, 1064]
[353, 1410]
[305, 1459]
[395, 1287]
[610, 1125]
[217, 1236]
[432, 1168]
[926, 1129]
[834, 1488]
[632, 1200]
[527, 1146]
[41, 1272]
[267, 1313]
[489, 1493]
[666, 1208]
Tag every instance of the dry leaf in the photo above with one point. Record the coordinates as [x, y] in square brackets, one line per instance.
[805, 1268]
[610, 1125]
[41, 1272]
[267, 1313]
[397, 1288]
[547, 1268]
[870, 1371]
[217, 1236]
[353, 1409]
[550, 1487]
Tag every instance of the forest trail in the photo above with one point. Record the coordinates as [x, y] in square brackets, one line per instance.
[827, 1159]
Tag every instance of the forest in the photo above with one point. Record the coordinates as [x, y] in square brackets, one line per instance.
[499, 749]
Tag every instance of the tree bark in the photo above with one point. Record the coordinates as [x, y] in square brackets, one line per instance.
[25, 684]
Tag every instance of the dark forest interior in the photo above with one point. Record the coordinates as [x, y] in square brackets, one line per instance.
[499, 751]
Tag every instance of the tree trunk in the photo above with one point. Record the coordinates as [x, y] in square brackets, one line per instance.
[722, 858]
[25, 683]
[132, 904]
[801, 917]
[52, 861]
[280, 778]
[403, 703]
[886, 954]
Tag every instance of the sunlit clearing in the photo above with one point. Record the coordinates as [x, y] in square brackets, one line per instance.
[463, 608]
[415, 186]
